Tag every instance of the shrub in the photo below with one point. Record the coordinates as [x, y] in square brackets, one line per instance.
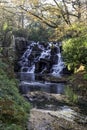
[14, 109]
[75, 52]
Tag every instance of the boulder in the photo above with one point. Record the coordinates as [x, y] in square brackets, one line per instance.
[43, 64]
[54, 59]
[54, 50]
[20, 44]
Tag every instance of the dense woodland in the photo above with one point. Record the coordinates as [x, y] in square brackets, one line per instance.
[37, 20]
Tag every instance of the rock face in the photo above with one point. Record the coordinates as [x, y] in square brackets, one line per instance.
[20, 46]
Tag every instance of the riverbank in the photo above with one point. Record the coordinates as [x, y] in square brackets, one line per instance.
[14, 109]
[54, 120]
[56, 111]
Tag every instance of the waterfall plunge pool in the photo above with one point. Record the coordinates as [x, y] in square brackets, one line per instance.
[34, 82]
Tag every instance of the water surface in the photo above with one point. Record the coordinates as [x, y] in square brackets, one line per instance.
[35, 82]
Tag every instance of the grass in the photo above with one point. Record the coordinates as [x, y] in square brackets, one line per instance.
[71, 96]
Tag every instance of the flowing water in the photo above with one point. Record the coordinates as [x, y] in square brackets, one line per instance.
[41, 60]
[35, 53]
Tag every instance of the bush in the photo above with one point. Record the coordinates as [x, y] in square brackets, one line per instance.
[14, 109]
[75, 52]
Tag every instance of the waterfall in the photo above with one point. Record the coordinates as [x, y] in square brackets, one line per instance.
[57, 68]
[42, 58]
[45, 53]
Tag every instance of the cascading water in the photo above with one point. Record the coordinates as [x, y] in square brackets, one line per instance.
[44, 57]
[35, 61]
[57, 68]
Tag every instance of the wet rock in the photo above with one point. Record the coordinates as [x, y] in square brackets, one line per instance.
[43, 43]
[36, 49]
[25, 69]
[43, 65]
[55, 79]
[54, 59]
[45, 100]
[54, 50]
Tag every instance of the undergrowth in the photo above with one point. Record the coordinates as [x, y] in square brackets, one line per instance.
[85, 76]
[71, 95]
[14, 109]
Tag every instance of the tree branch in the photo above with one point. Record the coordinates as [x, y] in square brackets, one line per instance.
[43, 19]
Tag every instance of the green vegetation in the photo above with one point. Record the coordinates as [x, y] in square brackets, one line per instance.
[39, 32]
[35, 32]
[39, 20]
[13, 108]
[75, 48]
[85, 76]
[71, 95]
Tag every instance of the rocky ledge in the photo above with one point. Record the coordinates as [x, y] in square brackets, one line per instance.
[54, 120]
[51, 112]
[55, 79]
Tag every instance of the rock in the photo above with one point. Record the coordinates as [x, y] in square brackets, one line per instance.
[67, 72]
[45, 100]
[43, 64]
[54, 50]
[20, 44]
[36, 49]
[25, 69]
[43, 43]
[53, 120]
[20, 47]
[55, 79]
[17, 66]
[54, 59]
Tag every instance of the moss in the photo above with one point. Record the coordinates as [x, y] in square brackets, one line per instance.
[14, 109]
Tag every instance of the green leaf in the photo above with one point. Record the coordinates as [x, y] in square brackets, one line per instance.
[5, 26]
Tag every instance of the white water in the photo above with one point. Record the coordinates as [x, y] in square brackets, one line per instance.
[28, 63]
[45, 53]
[59, 66]
[31, 69]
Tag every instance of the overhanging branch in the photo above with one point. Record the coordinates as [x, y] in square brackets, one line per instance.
[43, 19]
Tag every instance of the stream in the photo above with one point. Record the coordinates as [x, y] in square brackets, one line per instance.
[47, 100]
[49, 111]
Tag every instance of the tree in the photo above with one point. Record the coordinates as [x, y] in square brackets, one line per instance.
[59, 14]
